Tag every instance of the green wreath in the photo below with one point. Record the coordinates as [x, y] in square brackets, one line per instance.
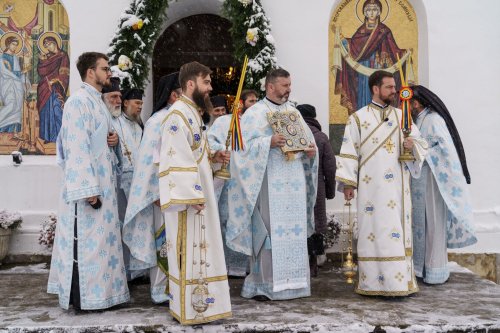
[251, 33]
[139, 28]
[134, 40]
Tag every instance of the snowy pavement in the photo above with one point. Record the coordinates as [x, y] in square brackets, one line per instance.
[466, 303]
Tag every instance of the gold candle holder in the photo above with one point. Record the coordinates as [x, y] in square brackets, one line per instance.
[349, 266]
[407, 155]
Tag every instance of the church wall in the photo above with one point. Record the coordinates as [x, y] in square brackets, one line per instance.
[467, 35]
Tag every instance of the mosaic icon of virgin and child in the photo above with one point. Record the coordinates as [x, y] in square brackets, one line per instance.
[15, 82]
[372, 47]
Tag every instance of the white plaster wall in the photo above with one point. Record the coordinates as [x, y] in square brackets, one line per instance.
[461, 38]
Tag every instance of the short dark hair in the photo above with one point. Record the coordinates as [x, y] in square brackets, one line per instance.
[276, 73]
[376, 79]
[191, 71]
[247, 93]
[88, 60]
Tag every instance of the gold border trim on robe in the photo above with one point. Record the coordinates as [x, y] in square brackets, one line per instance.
[193, 282]
[387, 293]
[346, 181]
[349, 156]
[381, 258]
[199, 201]
[356, 118]
[205, 319]
[180, 114]
[177, 169]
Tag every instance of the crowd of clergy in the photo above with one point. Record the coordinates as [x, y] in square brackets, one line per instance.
[141, 200]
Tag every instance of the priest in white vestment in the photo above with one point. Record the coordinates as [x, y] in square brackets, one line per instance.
[198, 285]
[144, 228]
[271, 201]
[368, 162]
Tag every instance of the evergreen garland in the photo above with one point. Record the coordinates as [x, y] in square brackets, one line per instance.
[134, 41]
[251, 34]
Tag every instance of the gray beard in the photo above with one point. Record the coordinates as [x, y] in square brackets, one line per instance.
[115, 111]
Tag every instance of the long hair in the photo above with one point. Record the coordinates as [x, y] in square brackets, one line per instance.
[428, 99]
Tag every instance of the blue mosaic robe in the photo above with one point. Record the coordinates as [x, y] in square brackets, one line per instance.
[143, 229]
[88, 170]
[271, 208]
[13, 85]
[217, 134]
[442, 163]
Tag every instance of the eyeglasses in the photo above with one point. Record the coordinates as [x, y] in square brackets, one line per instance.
[106, 69]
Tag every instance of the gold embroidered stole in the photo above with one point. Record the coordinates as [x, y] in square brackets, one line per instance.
[382, 132]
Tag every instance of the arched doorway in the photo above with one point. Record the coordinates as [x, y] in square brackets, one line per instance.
[204, 38]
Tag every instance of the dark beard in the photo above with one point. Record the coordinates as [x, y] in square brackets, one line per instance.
[388, 100]
[199, 99]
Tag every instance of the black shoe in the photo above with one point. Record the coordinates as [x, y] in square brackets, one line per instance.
[261, 298]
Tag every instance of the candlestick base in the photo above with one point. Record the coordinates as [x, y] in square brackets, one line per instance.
[223, 173]
[406, 156]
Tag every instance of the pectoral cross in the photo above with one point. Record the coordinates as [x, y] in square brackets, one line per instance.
[127, 153]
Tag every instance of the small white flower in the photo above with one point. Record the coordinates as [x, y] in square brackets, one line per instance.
[124, 63]
[252, 36]
[246, 2]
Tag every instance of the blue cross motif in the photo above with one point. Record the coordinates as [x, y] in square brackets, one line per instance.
[79, 160]
[71, 175]
[85, 147]
[280, 231]
[418, 194]
[106, 277]
[239, 211]
[278, 185]
[137, 190]
[456, 191]
[297, 230]
[435, 160]
[245, 173]
[101, 170]
[90, 170]
[63, 243]
[147, 160]
[103, 253]
[443, 177]
[108, 216]
[97, 291]
[117, 284]
[295, 184]
[113, 262]
[79, 123]
[90, 244]
[111, 239]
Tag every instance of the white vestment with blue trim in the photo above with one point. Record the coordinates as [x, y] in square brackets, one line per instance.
[88, 170]
[442, 211]
[271, 207]
[143, 228]
[236, 262]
